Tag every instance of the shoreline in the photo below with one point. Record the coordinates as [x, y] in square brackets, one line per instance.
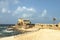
[42, 34]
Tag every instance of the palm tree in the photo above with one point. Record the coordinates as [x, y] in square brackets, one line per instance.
[54, 19]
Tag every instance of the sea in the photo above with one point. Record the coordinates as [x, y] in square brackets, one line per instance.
[6, 33]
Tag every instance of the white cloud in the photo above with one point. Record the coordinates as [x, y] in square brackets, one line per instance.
[5, 4]
[26, 15]
[21, 9]
[24, 11]
[44, 13]
[9, 11]
[31, 9]
[24, 7]
[4, 10]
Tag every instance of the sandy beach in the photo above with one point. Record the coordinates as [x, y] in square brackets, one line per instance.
[42, 34]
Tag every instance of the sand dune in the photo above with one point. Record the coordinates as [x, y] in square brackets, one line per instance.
[42, 34]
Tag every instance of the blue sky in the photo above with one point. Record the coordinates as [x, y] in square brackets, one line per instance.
[38, 11]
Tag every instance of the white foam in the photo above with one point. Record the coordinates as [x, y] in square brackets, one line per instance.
[7, 31]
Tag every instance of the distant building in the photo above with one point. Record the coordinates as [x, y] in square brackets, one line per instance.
[23, 21]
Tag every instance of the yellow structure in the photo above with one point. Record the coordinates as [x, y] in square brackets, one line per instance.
[20, 21]
[27, 23]
[23, 21]
[59, 24]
